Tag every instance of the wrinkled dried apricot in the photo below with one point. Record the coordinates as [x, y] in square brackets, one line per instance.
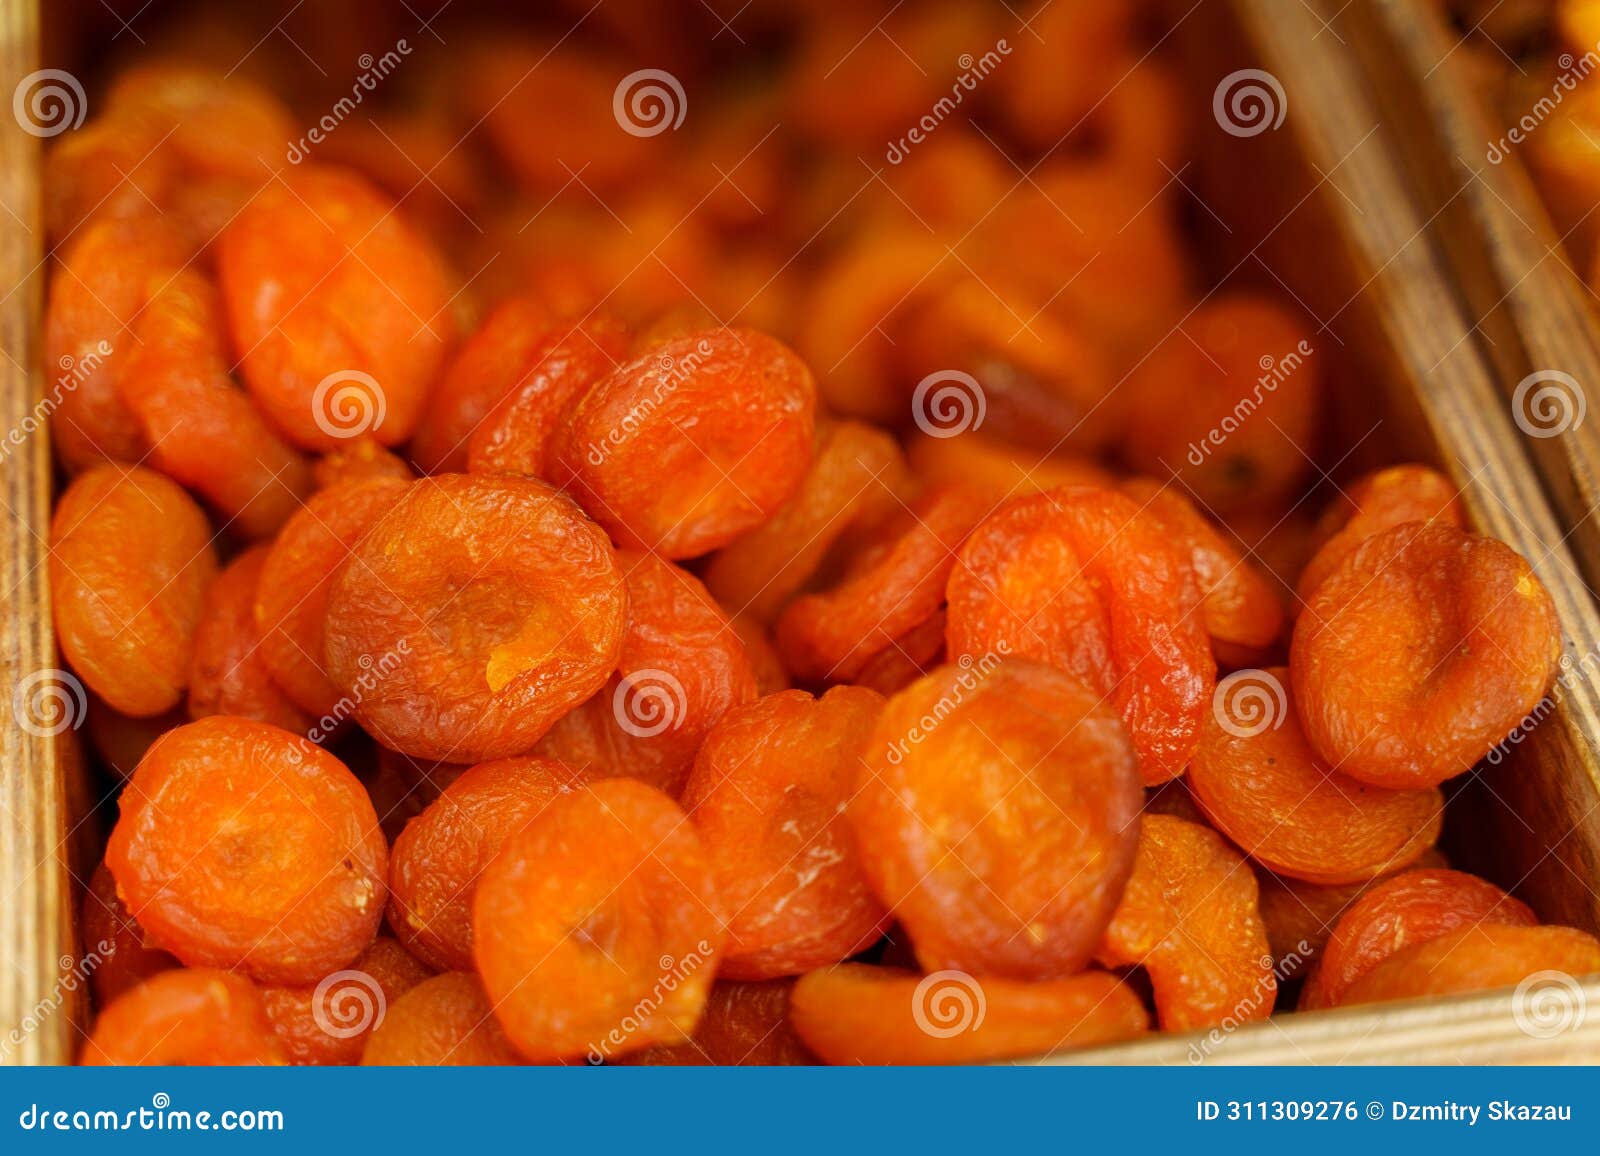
[682, 667]
[975, 459]
[1190, 917]
[858, 1014]
[241, 845]
[692, 443]
[435, 863]
[606, 952]
[487, 606]
[767, 795]
[443, 1021]
[330, 1021]
[130, 560]
[188, 1016]
[115, 941]
[996, 816]
[315, 251]
[1411, 907]
[911, 656]
[1477, 958]
[229, 673]
[1262, 785]
[358, 460]
[745, 1024]
[1425, 648]
[1084, 580]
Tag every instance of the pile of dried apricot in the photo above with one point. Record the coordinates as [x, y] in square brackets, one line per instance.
[601, 610]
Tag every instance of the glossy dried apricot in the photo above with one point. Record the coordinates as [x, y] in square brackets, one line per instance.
[358, 460]
[330, 1021]
[996, 816]
[229, 673]
[1411, 907]
[890, 586]
[1190, 917]
[975, 459]
[748, 1024]
[487, 606]
[1424, 649]
[188, 1016]
[1084, 580]
[1477, 958]
[681, 668]
[859, 1014]
[443, 1021]
[767, 795]
[606, 952]
[523, 358]
[241, 845]
[292, 596]
[914, 654]
[317, 250]
[1262, 784]
[115, 941]
[692, 443]
[130, 560]
[435, 863]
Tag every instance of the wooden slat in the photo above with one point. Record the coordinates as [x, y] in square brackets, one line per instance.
[37, 1012]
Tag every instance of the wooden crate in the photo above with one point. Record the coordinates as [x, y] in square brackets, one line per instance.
[1317, 209]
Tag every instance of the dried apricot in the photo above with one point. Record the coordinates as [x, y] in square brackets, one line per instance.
[241, 845]
[229, 674]
[1086, 581]
[1190, 917]
[330, 1021]
[606, 952]
[435, 863]
[188, 1016]
[487, 606]
[443, 1021]
[1477, 958]
[911, 656]
[1411, 907]
[767, 795]
[996, 816]
[745, 1024]
[975, 459]
[1262, 784]
[116, 942]
[682, 667]
[692, 443]
[1424, 649]
[358, 460]
[130, 560]
[859, 1014]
